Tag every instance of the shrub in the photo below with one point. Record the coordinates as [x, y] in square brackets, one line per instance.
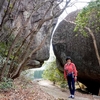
[6, 84]
[53, 74]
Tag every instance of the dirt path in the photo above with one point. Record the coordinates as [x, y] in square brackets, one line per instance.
[60, 94]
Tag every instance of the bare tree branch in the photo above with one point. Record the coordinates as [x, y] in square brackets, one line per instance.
[26, 59]
[31, 35]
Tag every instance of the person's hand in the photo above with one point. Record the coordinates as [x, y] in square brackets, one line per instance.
[75, 78]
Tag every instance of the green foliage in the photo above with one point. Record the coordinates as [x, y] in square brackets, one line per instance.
[3, 53]
[3, 47]
[6, 84]
[52, 73]
[5, 44]
[89, 17]
[11, 6]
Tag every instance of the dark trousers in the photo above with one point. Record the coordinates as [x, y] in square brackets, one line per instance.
[71, 84]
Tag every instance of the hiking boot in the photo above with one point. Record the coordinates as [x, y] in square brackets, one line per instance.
[73, 96]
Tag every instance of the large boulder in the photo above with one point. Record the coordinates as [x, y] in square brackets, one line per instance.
[66, 42]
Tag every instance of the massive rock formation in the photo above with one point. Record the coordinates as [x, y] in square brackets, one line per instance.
[66, 42]
[21, 13]
[24, 12]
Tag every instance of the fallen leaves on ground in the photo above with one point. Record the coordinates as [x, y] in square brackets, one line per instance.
[25, 90]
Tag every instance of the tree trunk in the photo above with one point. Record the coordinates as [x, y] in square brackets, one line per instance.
[95, 44]
[21, 65]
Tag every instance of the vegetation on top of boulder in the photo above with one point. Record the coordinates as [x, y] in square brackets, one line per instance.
[89, 17]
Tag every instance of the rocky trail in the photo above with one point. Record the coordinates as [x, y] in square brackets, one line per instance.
[61, 94]
[40, 90]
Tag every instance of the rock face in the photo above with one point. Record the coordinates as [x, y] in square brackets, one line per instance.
[1, 3]
[66, 42]
[21, 13]
[24, 12]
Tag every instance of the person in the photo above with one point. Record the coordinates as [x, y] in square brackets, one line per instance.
[70, 73]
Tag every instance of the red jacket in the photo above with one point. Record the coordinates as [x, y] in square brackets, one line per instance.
[69, 68]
